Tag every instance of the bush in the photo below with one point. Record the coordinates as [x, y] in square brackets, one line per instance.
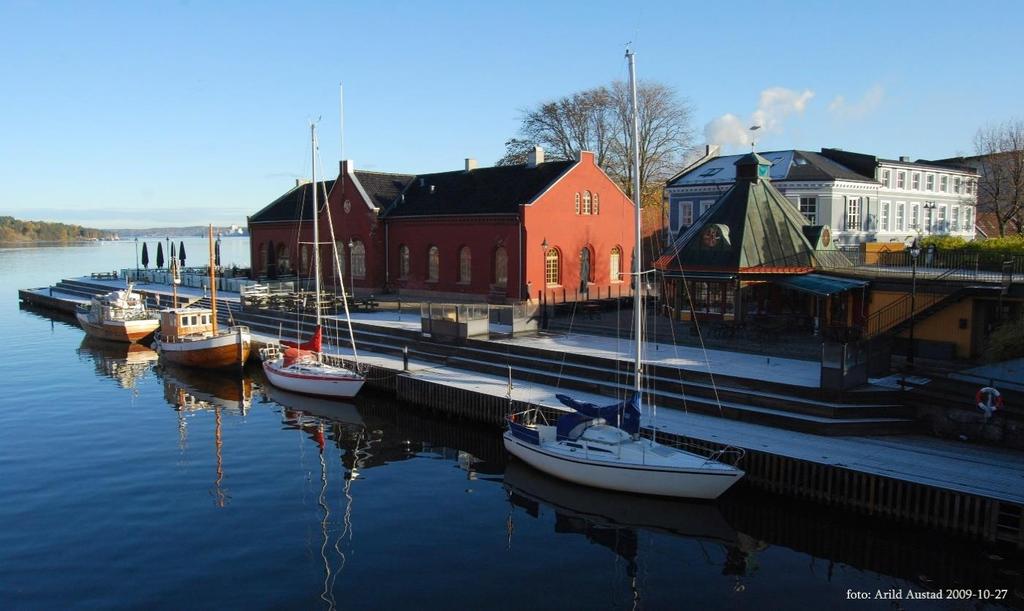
[1006, 342]
[1010, 245]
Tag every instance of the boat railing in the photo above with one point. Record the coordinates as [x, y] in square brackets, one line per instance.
[270, 352]
[730, 455]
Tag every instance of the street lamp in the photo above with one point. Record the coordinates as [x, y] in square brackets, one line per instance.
[136, 259]
[544, 283]
[351, 268]
[915, 251]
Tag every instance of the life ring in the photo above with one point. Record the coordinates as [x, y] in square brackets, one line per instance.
[989, 400]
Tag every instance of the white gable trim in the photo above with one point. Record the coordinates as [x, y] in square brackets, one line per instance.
[569, 170]
[362, 192]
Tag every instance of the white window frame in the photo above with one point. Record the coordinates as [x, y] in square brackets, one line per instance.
[899, 218]
[940, 219]
[929, 182]
[883, 216]
[705, 205]
[901, 180]
[954, 218]
[886, 178]
[853, 217]
[685, 213]
[808, 206]
[915, 181]
[968, 225]
[915, 216]
[944, 183]
[957, 184]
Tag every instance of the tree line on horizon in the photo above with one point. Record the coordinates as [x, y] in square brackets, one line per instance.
[14, 230]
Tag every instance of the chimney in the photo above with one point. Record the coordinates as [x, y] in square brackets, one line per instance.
[470, 164]
[905, 159]
[535, 158]
[301, 181]
[348, 166]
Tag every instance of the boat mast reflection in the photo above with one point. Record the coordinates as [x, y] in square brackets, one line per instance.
[615, 520]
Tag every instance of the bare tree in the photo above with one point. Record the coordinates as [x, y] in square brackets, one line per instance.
[1000, 150]
[598, 120]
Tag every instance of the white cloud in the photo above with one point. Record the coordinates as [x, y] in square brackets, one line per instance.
[867, 104]
[774, 105]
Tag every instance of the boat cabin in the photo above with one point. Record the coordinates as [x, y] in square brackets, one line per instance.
[177, 323]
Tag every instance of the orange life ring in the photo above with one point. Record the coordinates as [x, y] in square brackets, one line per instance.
[988, 399]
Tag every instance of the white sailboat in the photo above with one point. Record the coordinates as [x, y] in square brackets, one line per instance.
[301, 367]
[601, 446]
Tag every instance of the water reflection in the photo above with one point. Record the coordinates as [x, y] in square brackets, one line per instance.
[614, 521]
[124, 363]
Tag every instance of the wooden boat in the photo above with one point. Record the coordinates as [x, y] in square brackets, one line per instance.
[190, 337]
[119, 316]
[302, 367]
[601, 446]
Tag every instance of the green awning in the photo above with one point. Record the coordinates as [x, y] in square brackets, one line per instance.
[819, 284]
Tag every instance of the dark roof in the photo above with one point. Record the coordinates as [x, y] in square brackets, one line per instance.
[495, 190]
[820, 167]
[383, 188]
[293, 205]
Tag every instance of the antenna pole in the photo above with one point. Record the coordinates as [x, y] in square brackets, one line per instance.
[316, 226]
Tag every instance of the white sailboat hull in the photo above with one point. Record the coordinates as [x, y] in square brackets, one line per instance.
[326, 382]
[691, 476]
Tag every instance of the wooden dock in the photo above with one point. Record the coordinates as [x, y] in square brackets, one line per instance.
[966, 490]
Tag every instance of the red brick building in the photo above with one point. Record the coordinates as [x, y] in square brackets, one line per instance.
[502, 233]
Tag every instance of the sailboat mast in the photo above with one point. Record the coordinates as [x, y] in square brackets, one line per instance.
[638, 291]
[213, 286]
[316, 227]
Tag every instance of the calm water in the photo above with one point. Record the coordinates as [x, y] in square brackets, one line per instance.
[126, 484]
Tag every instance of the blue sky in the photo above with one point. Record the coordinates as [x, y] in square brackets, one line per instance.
[177, 113]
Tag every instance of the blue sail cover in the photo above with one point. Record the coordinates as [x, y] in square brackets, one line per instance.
[624, 414]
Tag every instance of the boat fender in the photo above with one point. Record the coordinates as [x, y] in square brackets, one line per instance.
[989, 400]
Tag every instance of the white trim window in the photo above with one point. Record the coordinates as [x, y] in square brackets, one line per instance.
[883, 216]
[929, 219]
[954, 218]
[969, 186]
[941, 226]
[957, 184]
[901, 180]
[577, 202]
[968, 219]
[809, 208]
[685, 214]
[915, 181]
[586, 203]
[915, 216]
[853, 214]
[901, 210]
[929, 183]
[358, 256]
[705, 205]
[944, 183]
[615, 264]
[886, 178]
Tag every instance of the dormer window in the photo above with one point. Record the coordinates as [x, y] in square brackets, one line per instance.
[711, 172]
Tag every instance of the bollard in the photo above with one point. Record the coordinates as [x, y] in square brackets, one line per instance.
[405, 358]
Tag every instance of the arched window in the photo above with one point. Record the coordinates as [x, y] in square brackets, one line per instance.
[577, 203]
[340, 247]
[597, 204]
[586, 267]
[433, 264]
[403, 261]
[358, 255]
[552, 267]
[465, 265]
[284, 264]
[263, 258]
[586, 202]
[500, 266]
[615, 264]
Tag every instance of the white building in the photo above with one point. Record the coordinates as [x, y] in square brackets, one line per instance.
[861, 197]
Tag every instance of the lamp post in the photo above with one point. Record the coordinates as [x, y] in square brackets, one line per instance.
[544, 283]
[351, 269]
[136, 258]
[915, 251]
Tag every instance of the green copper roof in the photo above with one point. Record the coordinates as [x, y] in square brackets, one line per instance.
[751, 228]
